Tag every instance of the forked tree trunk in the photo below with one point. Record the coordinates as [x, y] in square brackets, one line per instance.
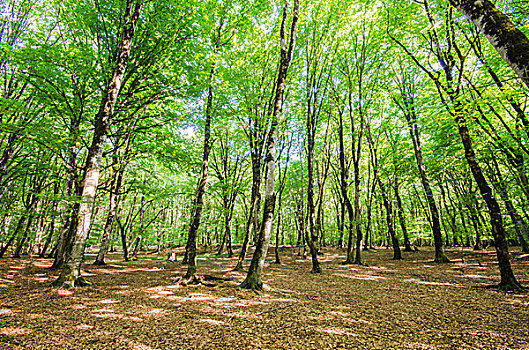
[253, 279]
[71, 271]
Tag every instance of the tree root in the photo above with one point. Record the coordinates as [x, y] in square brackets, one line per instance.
[196, 280]
[70, 281]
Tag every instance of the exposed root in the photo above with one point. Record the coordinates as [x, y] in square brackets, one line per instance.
[511, 287]
[252, 284]
[442, 260]
[70, 281]
[203, 280]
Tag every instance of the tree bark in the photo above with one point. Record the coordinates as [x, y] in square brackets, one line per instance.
[345, 196]
[113, 204]
[402, 218]
[510, 42]
[408, 108]
[71, 271]
[253, 279]
[201, 186]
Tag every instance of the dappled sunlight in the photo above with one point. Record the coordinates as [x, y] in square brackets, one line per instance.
[62, 291]
[476, 276]
[358, 320]
[335, 331]
[347, 304]
[139, 346]
[78, 306]
[109, 301]
[518, 302]
[155, 312]
[83, 327]
[270, 299]
[10, 331]
[87, 274]
[429, 283]
[103, 310]
[41, 263]
[40, 277]
[6, 312]
[212, 322]
[361, 277]
[422, 346]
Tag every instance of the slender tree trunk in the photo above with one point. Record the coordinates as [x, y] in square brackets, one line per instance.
[519, 225]
[254, 277]
[42, 252]
[508, 280]
[20, 223]
[440, 255]
[345, 195]
[278, 227]
[389, 220]
[71, 270]
[22, 240]
[312, 235]
[387, 203]
[113, 204]
[358, 208]
[201, 187]
[402, 218]
[341, 223]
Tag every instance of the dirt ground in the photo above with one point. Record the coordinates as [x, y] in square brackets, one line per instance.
[408, 304]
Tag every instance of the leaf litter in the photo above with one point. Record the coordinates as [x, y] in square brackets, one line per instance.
[387, 304]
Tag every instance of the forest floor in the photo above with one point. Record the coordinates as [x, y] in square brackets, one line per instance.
[408, 304]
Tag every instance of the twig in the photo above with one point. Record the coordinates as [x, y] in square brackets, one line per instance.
[275, 309]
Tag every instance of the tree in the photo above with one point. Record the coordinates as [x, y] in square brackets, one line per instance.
[510, 42]
[253, 279]
[71, 271]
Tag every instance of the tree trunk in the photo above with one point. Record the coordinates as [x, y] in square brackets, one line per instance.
[402, 218]
[254, 277]
[71, 271]
[508, 280]
[20, 223]
[510, 42]
[409, 112]
[201, 186]
[278, 227]
[519, 225]
[22, 240]
[345, 197]
[312, 235]
[113, 204]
